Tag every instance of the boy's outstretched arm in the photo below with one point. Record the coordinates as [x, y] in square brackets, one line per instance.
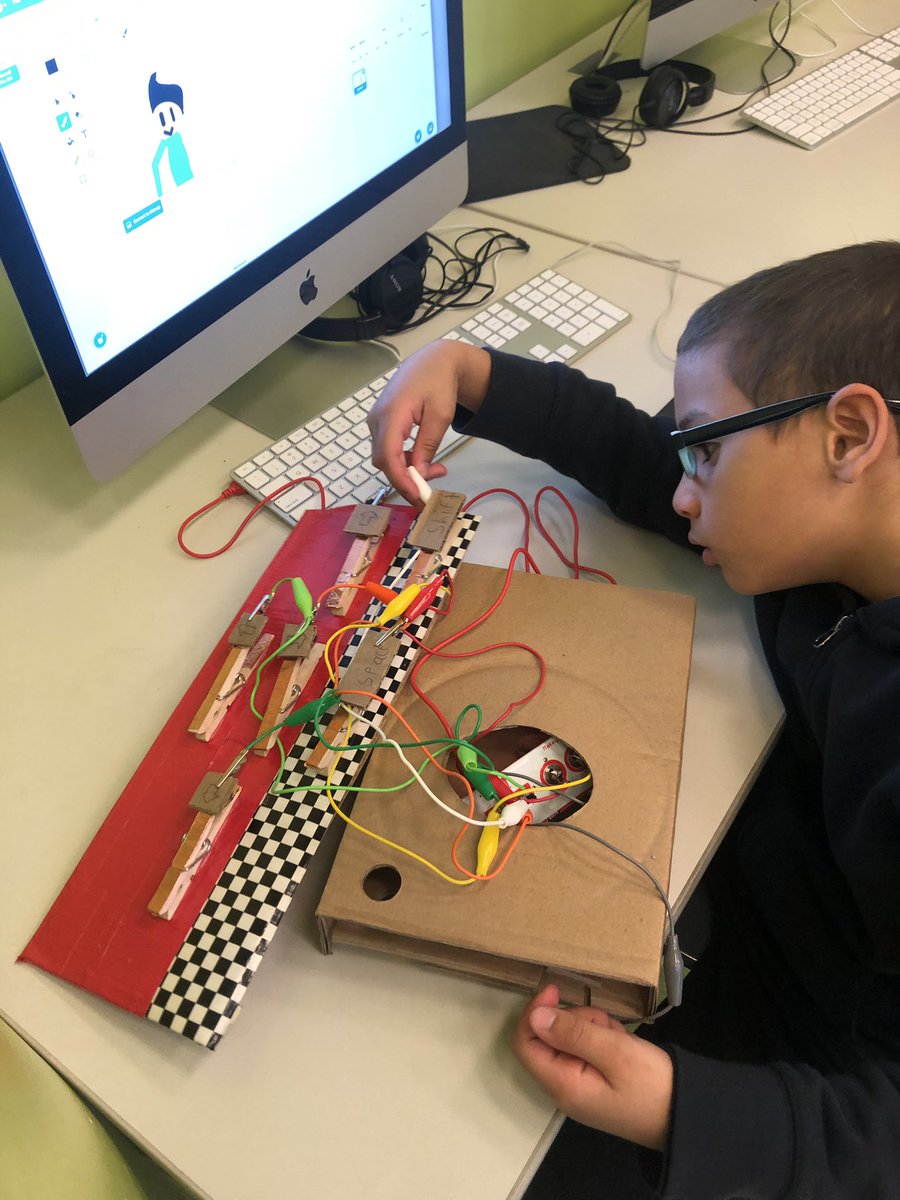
[596, 1071]
[583, 429]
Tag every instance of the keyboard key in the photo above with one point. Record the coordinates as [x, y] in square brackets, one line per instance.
[288, 501]
[367, 491]
[584, 337]
[274, 484]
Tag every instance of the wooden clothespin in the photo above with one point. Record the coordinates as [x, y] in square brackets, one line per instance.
[321, 757]
[365, 673]
[367, 523]
[439, 524]
[298, 661]
[248, 645]
[212, 801]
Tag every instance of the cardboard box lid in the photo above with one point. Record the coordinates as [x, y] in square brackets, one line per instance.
[617, 664]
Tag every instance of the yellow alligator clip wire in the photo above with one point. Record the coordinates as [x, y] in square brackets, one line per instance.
[488, 843]
[397, 607]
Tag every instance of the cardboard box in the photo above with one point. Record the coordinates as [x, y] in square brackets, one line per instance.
[564, 909]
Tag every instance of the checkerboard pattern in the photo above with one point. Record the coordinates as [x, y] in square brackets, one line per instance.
[207, 979]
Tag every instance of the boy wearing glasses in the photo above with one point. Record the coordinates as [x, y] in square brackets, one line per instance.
[779, 1075]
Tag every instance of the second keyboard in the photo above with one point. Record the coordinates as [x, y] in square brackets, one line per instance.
[810, 110]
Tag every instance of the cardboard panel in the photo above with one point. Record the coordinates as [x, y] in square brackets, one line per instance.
[618, 661]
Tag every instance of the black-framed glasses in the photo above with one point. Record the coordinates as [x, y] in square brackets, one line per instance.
[686, 439]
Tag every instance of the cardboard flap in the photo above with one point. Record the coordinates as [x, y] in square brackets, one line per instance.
[617, 664]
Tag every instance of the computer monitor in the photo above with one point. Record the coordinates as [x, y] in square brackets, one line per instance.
[184, 187]
[695, 31]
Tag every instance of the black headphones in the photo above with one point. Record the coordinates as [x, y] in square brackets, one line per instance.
[670, 88]
[388, 299]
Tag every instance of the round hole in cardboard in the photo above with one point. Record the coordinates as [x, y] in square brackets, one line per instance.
[382, 883]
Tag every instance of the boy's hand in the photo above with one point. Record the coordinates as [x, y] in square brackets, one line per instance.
[596, 1071]
[423, 396]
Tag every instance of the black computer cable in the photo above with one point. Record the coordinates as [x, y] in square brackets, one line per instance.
[460, 284]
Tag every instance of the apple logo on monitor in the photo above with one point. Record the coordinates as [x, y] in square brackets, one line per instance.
[308, 289]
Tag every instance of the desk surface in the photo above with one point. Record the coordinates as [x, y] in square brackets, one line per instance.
[723, 206]
[347, 1071]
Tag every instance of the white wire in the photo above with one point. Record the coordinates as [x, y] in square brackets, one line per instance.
[398, 357]
[673, 265]
[853, 21]
[794, 11]
[418, 774]
[798, 12]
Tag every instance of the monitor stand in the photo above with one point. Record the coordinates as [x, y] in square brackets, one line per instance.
[736, 57]
[300, 380]
[737, 63]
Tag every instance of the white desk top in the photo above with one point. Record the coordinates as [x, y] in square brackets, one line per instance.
[723, 206]
[357, 1072]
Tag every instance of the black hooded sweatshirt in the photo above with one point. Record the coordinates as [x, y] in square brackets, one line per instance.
[786, 1048]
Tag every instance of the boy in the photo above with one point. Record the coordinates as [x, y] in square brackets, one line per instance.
[779, 1075]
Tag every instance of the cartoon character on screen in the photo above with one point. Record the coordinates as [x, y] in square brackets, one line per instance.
[167, 106]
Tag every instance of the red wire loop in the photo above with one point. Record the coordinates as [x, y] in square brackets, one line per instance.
[235, 489]
[574, 564]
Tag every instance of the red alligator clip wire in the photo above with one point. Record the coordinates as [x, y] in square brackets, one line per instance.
[425, 599]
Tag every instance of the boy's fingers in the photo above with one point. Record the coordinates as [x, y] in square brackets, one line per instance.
[428, 439]
[599, 1043]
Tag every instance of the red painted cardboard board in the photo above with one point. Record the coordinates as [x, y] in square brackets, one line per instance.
[98, 933]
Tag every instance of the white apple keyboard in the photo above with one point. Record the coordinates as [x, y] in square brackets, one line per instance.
[812, 109]
[550, 318]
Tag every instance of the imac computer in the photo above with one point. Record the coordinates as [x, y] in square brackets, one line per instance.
[700, 32]
[183, 188]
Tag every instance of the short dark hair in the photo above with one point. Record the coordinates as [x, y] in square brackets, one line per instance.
[809, 325]
[164, 93]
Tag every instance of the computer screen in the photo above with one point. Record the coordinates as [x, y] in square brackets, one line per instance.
[693, 29]
[183, 188]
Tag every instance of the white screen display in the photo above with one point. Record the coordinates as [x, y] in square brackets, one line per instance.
[181, 148]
